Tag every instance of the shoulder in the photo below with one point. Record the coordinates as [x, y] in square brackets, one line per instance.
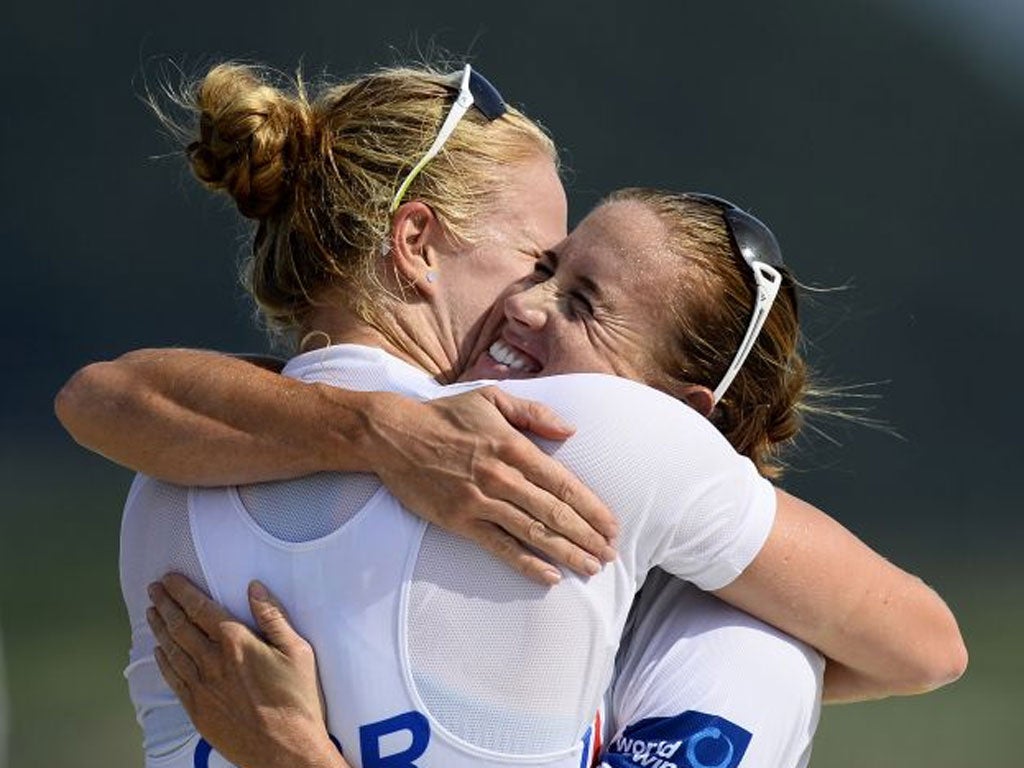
[597, 383]
[634, 443]
[604, 394]
[632, 417]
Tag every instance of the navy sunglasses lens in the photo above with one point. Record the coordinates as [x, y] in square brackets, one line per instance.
[485, 96]
[750, 234]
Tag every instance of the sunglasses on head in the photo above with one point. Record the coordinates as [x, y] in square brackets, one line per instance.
[474, 91]
[758, 247]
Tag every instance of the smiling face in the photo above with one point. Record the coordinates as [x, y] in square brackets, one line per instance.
[597, 302]
[528, 218]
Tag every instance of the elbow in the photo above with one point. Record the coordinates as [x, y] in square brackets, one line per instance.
[953, 662]
[93, 398]
[944, 658]
[77, 397]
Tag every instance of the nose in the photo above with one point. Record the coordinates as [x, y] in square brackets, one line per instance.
[526, 308]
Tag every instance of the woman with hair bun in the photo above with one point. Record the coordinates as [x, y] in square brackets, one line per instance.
[389, 220]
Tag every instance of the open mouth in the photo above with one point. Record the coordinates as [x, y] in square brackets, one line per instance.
[504, 354]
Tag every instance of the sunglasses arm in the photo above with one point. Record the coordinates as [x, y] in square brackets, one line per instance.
[459, 108]
[768, 280]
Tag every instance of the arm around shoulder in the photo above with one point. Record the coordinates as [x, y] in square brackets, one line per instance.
[202, 418]
[884, 631]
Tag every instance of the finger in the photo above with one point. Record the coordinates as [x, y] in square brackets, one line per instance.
[184, 667]
[544, 471]
[530, 416]
[180, 626]
[536, 535]
[507, 549]
[557, 517]
[173, 679]
[579, 512]
[521, 482]
[203, 612]
[271, 617]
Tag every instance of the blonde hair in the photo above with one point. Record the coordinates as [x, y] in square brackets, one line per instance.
[318, 174]
[763, 409]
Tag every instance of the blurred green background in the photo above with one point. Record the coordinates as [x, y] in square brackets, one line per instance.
[882, 140]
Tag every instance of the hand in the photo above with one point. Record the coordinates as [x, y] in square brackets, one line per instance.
[462, 464]
[257, 703]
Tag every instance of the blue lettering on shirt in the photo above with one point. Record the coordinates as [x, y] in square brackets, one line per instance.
[689, 740]
[203, 751]
[370, 741]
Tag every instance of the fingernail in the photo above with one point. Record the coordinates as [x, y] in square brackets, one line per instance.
[258, 591]
[552, 576]
[151, 591]
[609, 553]
[591, 566]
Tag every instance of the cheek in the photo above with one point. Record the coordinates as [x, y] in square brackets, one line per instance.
[476, 286]
[512, 270]
[620, 350]
[572, 350]
[491, 283]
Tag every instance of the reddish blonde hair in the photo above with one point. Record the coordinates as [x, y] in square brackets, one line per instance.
[762, 411]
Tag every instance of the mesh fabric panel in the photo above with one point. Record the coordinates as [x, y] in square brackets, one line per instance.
[310, 507]
[483, 654]
[155, 539]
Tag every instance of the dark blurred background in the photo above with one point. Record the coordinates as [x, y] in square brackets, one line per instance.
[881, 140]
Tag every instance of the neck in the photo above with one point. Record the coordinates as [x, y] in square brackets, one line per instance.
[403, 331]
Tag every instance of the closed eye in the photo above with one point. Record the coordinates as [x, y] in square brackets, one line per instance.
[542, 272]
[582, 302]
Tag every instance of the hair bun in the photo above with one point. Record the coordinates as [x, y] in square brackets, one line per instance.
[251, 138]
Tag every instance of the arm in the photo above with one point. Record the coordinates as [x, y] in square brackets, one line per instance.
[883, 630]
[704, 514]
[200, 418]
[257, 702]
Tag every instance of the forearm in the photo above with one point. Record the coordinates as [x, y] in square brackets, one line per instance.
[897, 637]
[843, 685]
[887, 631]
[201, 418]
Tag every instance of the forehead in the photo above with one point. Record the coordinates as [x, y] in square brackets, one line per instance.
[624, 244]
[531, 203]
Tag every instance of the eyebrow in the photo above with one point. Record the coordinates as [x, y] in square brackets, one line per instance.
[588, 283]
[591, 287]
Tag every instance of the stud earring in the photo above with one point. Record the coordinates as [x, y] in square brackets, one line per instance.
[431, 276]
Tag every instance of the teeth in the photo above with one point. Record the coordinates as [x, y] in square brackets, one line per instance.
[505, 355]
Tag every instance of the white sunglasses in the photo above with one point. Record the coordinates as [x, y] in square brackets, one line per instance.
[760, 250]
[474, 90]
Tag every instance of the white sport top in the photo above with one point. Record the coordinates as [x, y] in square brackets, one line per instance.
[699, 683]
[432, 653]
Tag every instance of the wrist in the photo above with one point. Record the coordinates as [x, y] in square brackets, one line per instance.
[353, 427]
[324, 753]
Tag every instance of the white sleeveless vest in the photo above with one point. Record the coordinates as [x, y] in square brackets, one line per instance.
[432, 653]
[346, 596]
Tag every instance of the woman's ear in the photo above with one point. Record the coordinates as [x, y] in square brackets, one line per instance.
[413, 246]
[701, 399]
